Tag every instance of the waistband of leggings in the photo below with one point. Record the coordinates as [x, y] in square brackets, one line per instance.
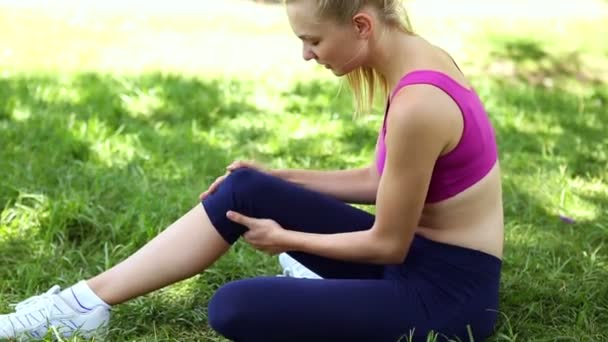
[453, 253]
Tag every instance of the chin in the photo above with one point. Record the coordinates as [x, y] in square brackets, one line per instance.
[346, 69]
[341, 72]
[338, 73]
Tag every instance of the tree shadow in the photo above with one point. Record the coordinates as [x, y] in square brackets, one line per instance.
[334, 101]
[568, 127]
[542, 130]
[56, 149]
[539, 129]
[534, 64]
[63, 149]
[147, 98]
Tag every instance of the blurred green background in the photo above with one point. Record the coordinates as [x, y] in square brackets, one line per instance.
[115, 115]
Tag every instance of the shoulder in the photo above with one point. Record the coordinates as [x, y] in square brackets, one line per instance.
[422, 112]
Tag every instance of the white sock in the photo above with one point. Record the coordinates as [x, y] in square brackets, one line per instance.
[81, 297]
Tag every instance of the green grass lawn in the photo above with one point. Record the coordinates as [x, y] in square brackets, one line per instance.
[102, 145]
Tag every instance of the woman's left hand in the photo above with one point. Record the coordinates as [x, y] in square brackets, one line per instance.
[265, 235]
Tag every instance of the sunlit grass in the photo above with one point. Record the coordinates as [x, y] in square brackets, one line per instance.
[110, 127]
[24, 217]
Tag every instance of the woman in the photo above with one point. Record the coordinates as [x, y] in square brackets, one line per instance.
[428, 261]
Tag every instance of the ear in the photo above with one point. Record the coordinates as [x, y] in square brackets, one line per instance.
[363, 24]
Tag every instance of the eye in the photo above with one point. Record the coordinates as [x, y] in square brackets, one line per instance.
[315, 42]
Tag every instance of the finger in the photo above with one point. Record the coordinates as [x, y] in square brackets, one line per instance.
[240, 218]
[233, 164]
[237, 165]
[213, 186]
[251, 241]
[205, 194]
[247, 237]
[250, 236]
[216, 183]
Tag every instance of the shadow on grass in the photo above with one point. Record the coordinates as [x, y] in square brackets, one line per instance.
[552, 279]
[149, 98]
[534, 63]
[100, 164]
[334, 100]
[115, 159]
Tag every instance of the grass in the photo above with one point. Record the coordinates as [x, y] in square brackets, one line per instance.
[98, 157]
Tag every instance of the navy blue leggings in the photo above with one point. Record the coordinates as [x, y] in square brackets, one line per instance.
[445, 289]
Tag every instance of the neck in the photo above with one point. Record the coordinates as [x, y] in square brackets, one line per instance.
[393, 43]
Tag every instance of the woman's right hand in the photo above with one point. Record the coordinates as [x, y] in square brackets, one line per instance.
[237, 164]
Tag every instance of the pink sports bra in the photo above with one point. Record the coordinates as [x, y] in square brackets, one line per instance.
[476, 152]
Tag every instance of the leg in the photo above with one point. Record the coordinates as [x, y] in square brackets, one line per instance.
[439, 287]
[200, 237]
[259, 195]
[185, 248]
[299, 310]
[449, 290]
[188, 246]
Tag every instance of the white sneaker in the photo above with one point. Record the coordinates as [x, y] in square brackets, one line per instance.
[293, 268]
[34, 317]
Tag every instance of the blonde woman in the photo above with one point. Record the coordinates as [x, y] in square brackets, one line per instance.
[429, 260]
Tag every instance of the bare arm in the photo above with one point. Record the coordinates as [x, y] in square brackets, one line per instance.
[351, 186]
[416, 136]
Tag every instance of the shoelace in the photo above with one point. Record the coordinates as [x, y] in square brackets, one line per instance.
[25, 310]
[41, 302]
[18, 319]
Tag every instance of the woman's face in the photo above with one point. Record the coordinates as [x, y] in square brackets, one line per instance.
[333, 45]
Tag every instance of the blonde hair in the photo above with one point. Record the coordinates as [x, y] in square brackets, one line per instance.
[365, 81]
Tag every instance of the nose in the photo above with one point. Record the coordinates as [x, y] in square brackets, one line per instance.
[307, 53]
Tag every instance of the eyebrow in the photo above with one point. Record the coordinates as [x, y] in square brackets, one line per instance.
[307, 37]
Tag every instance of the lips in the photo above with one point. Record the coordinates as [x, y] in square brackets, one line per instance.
[327, 66]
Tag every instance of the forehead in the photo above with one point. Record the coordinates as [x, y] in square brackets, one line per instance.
[304, 20]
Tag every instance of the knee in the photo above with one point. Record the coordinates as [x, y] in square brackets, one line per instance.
[227, 310]
[246, 180]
